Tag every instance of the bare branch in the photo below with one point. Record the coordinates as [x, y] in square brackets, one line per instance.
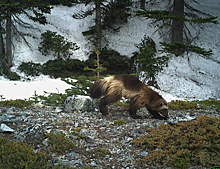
[22, 35]
[195, 10]
[21, 22]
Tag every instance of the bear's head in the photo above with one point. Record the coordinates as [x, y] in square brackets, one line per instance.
[159, 109]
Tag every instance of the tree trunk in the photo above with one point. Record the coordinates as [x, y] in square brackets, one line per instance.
[98, 25]
[8, 41]
[177, 25]
[142, 6]
[2, 48]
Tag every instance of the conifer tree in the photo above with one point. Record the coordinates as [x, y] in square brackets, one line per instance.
[175, 18]
[10, 11]
[106, 14]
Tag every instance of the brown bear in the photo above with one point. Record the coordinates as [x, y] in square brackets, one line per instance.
[129, 87]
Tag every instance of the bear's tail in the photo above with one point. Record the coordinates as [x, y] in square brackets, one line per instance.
[99, 88]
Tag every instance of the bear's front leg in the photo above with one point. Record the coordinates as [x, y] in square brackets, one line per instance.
[133, 110]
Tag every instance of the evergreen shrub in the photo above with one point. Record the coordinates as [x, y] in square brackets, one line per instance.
[110, 59]
[57, 44]
[147, 61]
[113, 62]
[183, 145]
[16, 155]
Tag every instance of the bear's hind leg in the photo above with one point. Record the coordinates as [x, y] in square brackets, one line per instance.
[103, 106]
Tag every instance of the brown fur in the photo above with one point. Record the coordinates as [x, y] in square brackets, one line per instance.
[129, 87]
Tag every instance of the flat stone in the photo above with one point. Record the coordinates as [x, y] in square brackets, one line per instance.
[5, 129]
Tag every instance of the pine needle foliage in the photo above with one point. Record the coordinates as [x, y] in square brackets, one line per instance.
[147, 61]
[178, 48]
[159, 15]
[57, 44]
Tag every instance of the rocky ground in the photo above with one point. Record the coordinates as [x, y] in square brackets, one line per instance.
[101, 142]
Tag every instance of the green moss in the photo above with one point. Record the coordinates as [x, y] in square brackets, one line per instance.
[58, 143]
[16, 103]
[184, 144]
[205, 104]
[16, 155]
[101, 152]
[120, 122]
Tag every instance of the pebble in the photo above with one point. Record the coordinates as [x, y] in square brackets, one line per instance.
[144, 154]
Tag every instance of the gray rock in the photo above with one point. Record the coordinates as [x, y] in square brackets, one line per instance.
[32, 134]
[80, 103]
[73, 163]
[5, 129]
[45, 142]
[144, 154]
[7, 118]
[93, 164]
[84, 132]
[73, 155]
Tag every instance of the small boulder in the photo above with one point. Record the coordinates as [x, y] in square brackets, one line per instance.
[5, 129]
[34, 133]
[80, 103]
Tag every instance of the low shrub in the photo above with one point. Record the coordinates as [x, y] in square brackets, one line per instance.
[205, 104]
[110, 59]
[16, 103]
[102, 152]
[30, 68]
[178, 104]
[56, 68]
[80, 87]
[120, 122]
[16, 155]
[55, 99]
[184, 144]
[58, 143]
[64, 68]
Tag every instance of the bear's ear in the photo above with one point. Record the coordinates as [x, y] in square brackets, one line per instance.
[160, 104]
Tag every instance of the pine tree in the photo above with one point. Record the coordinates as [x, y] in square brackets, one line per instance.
[10, 11]
[107, 13]
[175, 18]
